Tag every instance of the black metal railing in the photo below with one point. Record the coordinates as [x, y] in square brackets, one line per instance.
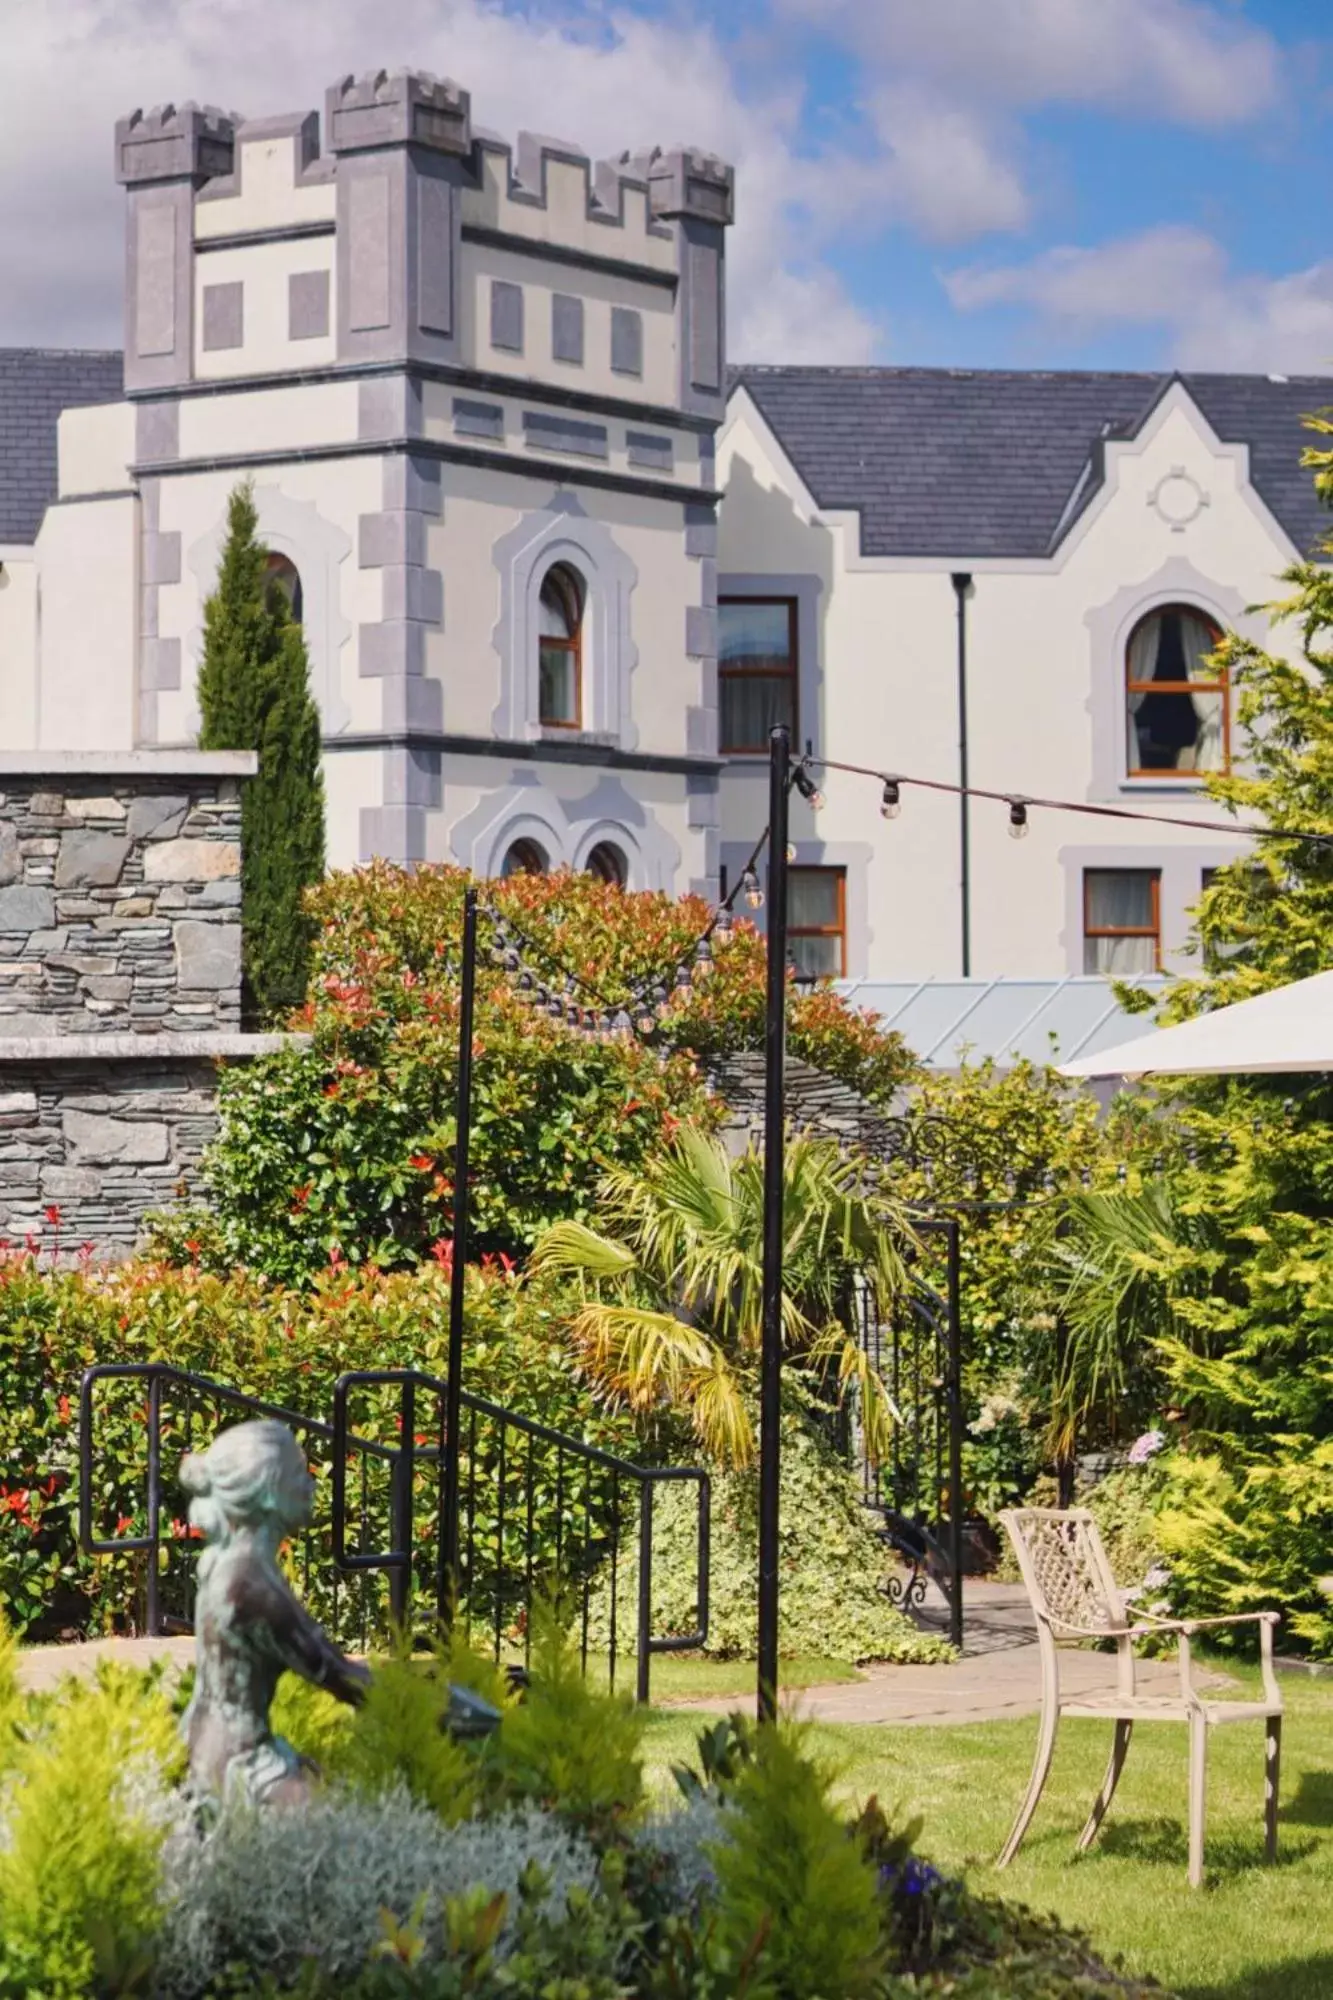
[541, 1514]
[917, 1489]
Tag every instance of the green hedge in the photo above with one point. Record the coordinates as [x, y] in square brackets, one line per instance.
[285, 1346]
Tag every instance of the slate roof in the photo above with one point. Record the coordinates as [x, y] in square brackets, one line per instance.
[967, 463]
[36, 384]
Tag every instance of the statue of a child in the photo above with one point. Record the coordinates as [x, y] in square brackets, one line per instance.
[250, 1490]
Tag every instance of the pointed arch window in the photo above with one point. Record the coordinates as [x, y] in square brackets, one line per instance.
[1179, 702]
[560, 648]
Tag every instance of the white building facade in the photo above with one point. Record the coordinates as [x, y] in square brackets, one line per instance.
[1063, 549]
[559, 573]
[476, 390]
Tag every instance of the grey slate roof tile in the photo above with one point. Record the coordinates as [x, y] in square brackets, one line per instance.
[965, 463]
[36, 384]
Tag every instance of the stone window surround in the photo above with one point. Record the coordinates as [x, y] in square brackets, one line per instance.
[805, 588]
[1109, 628]
[563, 532]
[1181, 871]
[317, 547]
[567, 830]
[853, 857]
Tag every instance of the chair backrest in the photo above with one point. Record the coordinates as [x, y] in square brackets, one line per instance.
[1065, 1569]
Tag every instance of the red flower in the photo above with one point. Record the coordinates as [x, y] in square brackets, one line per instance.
[62, 1406]
[52, 1214]
[422, 1163]
[442, 1250]
[301, 1195]
[124, 1523]
[330, 1090]
[337, 1261]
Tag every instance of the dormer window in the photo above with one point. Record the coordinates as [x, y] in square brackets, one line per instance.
[1178, 701]
[560, 649]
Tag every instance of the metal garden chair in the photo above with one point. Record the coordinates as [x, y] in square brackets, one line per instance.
[1074, 1596]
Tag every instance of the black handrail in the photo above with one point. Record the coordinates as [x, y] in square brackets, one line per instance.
[494, 1584]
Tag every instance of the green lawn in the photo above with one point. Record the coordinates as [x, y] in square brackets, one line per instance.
[679, 1676]
[1252, 1933]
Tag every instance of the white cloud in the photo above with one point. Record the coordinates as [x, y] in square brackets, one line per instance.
[1176, 278]
[1179, 60]
[607, 82]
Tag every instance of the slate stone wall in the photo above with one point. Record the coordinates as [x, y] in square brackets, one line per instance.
[120, 904]
[102, 1142]
[814, 1103]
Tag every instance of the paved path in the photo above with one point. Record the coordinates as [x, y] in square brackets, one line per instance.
[998, 1677]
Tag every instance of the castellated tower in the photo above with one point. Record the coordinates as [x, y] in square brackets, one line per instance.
[476, 387]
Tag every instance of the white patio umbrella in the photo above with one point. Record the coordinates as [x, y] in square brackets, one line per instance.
[1285, 1030]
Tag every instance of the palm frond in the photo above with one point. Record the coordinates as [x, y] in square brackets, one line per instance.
[571, 1249]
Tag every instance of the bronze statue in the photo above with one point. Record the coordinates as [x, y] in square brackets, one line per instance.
[250, 1490]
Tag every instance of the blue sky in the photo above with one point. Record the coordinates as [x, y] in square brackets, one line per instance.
[1094, 183]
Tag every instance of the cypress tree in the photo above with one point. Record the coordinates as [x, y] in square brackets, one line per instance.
[254, 694]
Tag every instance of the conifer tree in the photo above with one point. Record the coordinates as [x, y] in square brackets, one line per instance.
[254, 694]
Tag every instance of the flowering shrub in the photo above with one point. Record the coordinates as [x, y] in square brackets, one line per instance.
[349, 1143]
[287, 1346]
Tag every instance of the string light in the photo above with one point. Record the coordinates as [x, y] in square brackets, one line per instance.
[806, 785]
[891, 804]
[703, 959]
[684, 983]
[750, 889]
[723, 929]
[1018, 819]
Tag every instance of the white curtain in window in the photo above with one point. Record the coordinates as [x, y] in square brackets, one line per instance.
[812, 897]
[1198, 641]
[1119, 899]
[1143, 657]
[752, 704]
[1119, 956]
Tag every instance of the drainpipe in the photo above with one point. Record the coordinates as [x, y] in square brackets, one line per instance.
[962, 589]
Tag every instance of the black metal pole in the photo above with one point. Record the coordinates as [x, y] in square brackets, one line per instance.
[458, 1274]
[962, 584]
[770, 1375]
[955, 1307]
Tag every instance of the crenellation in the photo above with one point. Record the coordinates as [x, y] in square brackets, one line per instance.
[398, 108]
[175, 142]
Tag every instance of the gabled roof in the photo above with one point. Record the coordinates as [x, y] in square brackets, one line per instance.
[962, 463]
[36, 384]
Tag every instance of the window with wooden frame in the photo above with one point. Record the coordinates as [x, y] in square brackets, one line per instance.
[560, 649]
[1178, 704]
[817, 922]
[1122, 920]
[756, 671]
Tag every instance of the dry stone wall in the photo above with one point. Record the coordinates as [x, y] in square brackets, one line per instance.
[120, 986]
[120, 902]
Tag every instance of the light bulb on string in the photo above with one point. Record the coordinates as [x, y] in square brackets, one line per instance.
[791, 850]
[684, 983]
[703, 959]
[645, 1020]
[890, 803]
[622, 1027]
[1018, 819]
[661, 1002]
[724, 929]
[807, 787]
[753, 894]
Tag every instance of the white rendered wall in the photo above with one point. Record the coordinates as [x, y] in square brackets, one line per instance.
[599, 291]
[1045, 699]
[18, 648]
[88, 556]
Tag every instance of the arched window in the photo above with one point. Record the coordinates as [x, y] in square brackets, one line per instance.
[607, 864]
[560, 649]
[1178, 702]
[281, 573]
[525, 857]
